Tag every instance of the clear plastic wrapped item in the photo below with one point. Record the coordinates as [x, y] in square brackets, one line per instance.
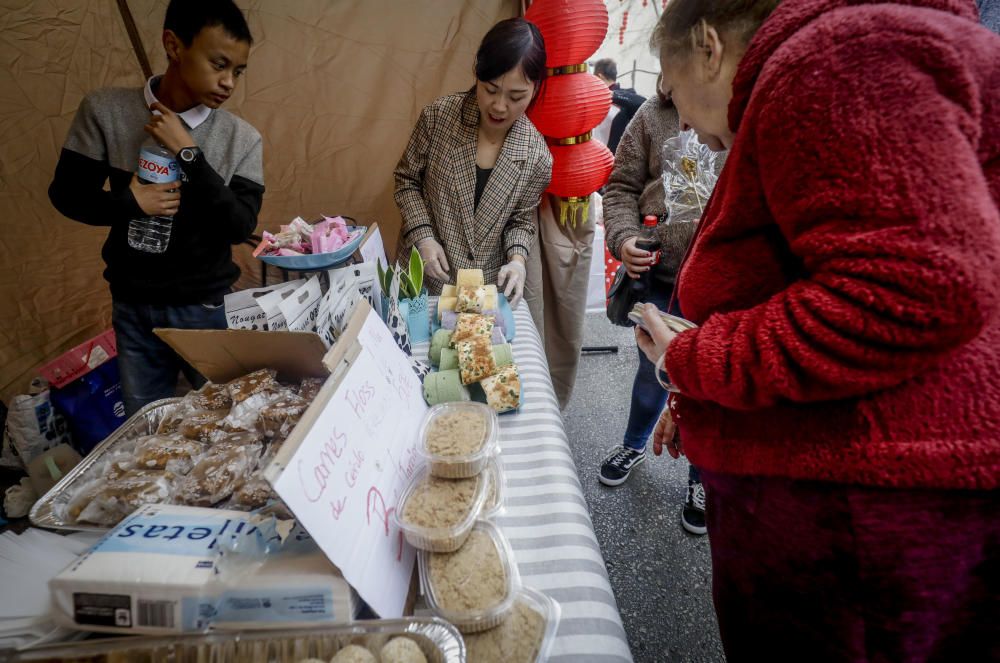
[211, 397]
[202, 425]
[526, 636]
[474, 587]
[216, 476]
[493, 505]
[252, 443]
[438, 514]
[175, 453]
[244, 387]
[245, 415]
[458, 439]
[252, 494]
[109, 460]
[309, 388]
[278, 418]
[119, 497]
[688, 177]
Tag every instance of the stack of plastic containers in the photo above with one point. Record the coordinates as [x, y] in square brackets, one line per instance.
[468, 574]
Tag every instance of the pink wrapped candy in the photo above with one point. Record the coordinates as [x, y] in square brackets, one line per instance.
[329, 235]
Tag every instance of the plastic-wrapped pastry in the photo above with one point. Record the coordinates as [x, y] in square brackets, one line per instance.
[118, 466]
[171, 422]
[215, 477]
[469, 277]
[476, 359]
[471, 325]
[243, 388]
[245, 415]
[309, 388]
[251, 441]
[503, 389]
[278, 418]
[253, 494]
[120, 497]
[211, 397]
[440, 341]
[471, 299]
[167, 452]
[83, 496]
[202, 425]
[273, 447]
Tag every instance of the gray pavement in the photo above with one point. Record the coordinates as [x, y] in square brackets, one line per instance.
[661, 575]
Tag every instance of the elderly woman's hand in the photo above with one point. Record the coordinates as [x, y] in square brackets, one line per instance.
[653, 336]
[665, 435]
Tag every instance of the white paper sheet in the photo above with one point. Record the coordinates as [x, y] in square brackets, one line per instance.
[345, 479]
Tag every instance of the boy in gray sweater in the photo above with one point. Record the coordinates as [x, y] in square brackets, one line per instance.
[214, 206]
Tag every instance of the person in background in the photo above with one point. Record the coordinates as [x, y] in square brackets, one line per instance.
[989, 14]
[606, 70]
[625, 102]
[207, 43]
[475, 167]
[634, 191]
[841, 393]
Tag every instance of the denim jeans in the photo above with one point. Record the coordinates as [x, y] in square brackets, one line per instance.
[149, 366]
[648, 396]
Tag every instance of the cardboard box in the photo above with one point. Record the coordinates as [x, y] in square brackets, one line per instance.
[222, 355]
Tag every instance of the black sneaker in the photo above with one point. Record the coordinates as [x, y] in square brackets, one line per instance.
[693, 513]
[618, 465]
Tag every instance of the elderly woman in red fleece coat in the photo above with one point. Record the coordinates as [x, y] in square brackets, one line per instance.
[842, 393]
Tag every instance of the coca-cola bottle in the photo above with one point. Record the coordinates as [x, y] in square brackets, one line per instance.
[157, 165]
[648, 240]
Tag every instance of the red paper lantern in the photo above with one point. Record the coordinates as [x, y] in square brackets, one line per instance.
[572, 105]
[572, 29]
[579, 170]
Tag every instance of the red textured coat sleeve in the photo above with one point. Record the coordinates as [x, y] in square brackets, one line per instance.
[873, 178]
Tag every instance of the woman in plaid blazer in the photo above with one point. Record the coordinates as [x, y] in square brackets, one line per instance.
[472, 174]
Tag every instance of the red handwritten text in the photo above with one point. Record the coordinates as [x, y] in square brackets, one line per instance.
[321, 470]
[359, 399]
[351, 475]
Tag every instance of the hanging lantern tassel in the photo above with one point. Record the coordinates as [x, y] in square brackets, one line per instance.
[573, 209]
[580, 166]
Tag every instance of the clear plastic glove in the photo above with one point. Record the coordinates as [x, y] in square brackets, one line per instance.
[511, 279]
[435, 260]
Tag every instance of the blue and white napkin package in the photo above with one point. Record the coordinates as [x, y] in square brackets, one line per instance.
[176, 569]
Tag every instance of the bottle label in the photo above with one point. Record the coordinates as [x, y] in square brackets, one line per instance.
[157, 168]
[656, 257]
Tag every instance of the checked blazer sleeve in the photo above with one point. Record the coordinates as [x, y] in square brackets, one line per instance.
[409, 175]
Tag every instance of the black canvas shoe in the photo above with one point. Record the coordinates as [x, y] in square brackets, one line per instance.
[618, 465]
[693, 513]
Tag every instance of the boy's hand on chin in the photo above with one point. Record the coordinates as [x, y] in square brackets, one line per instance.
[168, 129]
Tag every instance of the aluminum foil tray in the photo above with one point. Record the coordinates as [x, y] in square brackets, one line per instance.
[46, 510]
[439, 640]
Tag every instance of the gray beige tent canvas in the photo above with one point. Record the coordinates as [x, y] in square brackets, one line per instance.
[333, 86]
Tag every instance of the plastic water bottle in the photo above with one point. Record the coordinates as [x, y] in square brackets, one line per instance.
[157, 165]
[648, 240]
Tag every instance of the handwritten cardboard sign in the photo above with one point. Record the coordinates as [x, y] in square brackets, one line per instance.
[348, 461]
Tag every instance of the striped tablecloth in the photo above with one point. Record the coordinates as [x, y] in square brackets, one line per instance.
[546, 518]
